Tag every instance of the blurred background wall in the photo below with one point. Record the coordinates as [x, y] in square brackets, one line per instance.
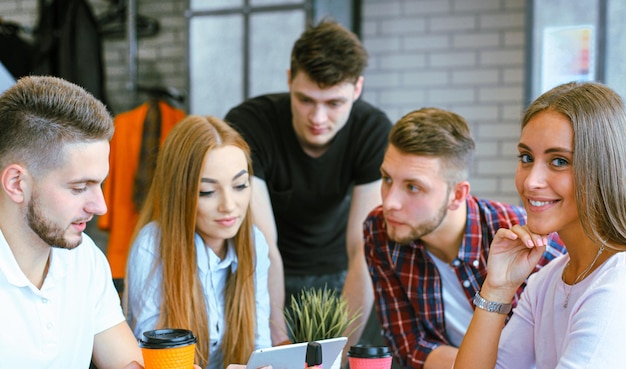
[464, 55]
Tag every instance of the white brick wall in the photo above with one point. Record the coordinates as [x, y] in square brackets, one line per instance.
[161, 59]
[462, 55]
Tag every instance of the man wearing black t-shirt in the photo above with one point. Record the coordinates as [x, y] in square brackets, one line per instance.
[316, 154]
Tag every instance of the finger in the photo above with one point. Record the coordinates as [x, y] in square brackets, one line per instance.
[508, 234]
[541, 240]
[528, 238]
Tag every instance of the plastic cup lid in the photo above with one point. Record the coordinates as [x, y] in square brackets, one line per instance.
[167, 338]
[366, 351]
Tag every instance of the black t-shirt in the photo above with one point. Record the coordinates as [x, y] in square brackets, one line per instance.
[311, 196]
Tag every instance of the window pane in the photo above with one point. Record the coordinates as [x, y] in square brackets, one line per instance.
[615, 47]
[563, 46]
[216, 64]
[196, 5]
[274, 2]
[272, 37]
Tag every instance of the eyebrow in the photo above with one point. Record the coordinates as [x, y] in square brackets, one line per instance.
[209, 180]
[338, 98]
[405, 180]
[548, 151]
[83, 180]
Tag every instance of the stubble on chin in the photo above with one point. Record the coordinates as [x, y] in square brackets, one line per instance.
[46, 230]
[393, 235]
[67, 245]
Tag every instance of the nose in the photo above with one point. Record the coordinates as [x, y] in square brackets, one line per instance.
[227, 202]
[390, 197]
[97, 205]
[318, 114]
[535, 176]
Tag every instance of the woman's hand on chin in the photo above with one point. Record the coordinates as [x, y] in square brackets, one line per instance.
[513, 255]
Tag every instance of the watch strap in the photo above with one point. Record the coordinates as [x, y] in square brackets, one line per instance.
[490, 306]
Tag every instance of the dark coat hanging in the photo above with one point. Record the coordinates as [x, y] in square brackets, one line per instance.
[68, 44]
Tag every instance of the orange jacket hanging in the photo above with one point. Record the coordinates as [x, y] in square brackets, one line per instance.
[121, 218]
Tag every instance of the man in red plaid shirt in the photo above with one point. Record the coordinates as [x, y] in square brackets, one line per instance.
[427, 244]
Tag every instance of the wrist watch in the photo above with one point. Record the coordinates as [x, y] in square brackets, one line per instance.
[490, 306]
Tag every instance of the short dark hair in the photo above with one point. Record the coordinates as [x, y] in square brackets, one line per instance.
[437, 133]
[329, 54]
[39, 115]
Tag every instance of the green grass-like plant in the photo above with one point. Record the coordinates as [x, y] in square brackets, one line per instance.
[317, 314]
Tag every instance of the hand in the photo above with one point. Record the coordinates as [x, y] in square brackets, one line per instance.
[238, 366]
[513, 255]
[133, 365]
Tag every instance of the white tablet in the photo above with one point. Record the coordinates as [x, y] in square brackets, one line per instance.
[294, 356]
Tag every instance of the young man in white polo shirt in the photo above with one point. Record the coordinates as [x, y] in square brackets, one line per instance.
[59, 306]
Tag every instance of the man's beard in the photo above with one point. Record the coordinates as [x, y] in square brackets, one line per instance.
[423, 229]
[45, 229]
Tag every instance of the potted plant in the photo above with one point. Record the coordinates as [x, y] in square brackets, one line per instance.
[318, 314]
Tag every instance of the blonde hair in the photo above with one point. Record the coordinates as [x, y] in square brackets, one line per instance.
[172, 203]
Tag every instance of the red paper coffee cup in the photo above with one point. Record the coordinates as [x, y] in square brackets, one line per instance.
[369, 357]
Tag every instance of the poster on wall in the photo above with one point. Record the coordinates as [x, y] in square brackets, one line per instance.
[568, 55]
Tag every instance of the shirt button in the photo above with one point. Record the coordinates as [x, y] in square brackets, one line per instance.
[456, 262]
[476, 263]
[466, 283]
[49, 325]
[44, 300]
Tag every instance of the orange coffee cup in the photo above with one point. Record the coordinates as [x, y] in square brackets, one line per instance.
[168, 349]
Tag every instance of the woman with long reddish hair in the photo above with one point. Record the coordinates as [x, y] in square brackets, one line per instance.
[196, 261]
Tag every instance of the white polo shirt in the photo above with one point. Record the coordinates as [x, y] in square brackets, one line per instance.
[55, 327]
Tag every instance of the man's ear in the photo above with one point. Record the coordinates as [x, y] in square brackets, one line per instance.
[13, 182]
[458, 195]
[289, 79]
[358, 87]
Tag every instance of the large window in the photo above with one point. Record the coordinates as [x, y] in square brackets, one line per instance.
[241, 48]
[576, 40]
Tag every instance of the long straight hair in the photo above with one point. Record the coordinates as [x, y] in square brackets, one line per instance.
[172, 203]
[598, 118]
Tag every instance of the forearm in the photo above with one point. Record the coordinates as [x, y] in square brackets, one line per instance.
[441, 358]
[264, 219]
[276, 286]
[479, 348]
[116, 348]
[414, 348]
[358, 292]
[513, 254]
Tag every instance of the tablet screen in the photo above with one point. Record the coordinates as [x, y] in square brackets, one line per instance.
[293, 356]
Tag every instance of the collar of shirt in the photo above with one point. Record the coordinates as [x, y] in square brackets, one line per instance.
[15, 276]
[208, 260]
